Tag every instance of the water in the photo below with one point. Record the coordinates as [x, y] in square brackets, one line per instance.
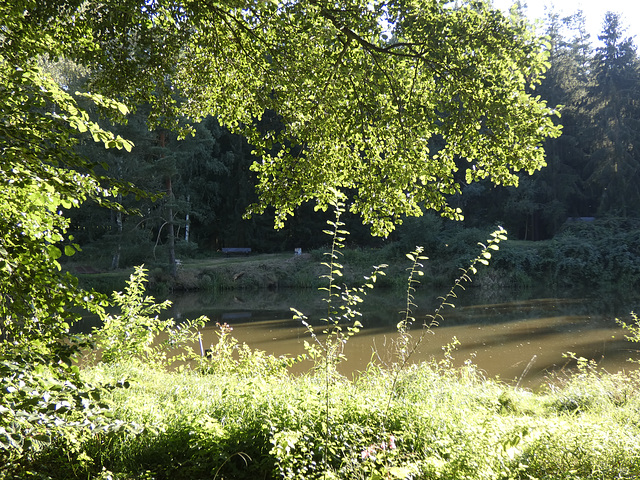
[519, 337]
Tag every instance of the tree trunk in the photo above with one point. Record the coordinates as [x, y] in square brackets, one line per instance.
[171, 244]
[186, 227]
[115, 259]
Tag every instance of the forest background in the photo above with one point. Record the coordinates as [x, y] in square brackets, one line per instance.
[575, 222]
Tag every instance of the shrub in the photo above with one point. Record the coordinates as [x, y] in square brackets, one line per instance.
[132, 332]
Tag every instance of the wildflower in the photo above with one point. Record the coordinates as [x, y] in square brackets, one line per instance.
[370, 451]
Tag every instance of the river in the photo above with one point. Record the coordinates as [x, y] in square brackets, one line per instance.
[517, 336]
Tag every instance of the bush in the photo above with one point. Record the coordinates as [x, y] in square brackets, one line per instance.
[602, 253]
[440, 422]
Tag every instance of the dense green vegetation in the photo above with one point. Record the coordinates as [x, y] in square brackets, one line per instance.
[137, 130]
[580, 210]
[440, 423]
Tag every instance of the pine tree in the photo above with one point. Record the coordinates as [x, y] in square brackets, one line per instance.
[613, 169]
[560, 186]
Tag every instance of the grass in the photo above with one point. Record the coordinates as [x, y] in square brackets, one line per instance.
[439, 423]
[216, 273]
[242, 272]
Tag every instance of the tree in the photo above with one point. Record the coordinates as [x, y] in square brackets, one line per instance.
[389, 122]
[358, 114]
[41, 174]
[613, 170]
[559, 189]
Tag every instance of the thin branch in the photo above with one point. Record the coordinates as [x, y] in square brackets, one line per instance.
[389, 49]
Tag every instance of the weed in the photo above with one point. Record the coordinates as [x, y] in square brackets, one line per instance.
[407, 349]
[132, 332]
[634, 331]
[228, 356]
[342, 315]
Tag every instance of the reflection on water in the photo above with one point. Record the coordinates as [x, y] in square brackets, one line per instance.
[520, 338]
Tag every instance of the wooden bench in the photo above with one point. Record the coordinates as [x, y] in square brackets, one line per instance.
[236, 251]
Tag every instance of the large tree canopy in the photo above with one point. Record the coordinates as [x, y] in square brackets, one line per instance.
[384, 100]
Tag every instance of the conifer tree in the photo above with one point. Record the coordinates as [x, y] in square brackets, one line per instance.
[613, 169]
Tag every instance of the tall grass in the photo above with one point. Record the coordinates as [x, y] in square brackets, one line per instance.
[442, 423]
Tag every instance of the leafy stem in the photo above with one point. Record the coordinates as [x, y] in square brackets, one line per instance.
[406, 349]
[342, 312]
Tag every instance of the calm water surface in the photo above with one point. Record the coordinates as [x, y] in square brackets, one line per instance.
[516, 336]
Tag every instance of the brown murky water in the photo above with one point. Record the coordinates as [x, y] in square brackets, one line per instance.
[516, 339]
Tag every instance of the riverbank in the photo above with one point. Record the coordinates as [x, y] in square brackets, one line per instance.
[248, 272]
[602, 255]
[220, 272]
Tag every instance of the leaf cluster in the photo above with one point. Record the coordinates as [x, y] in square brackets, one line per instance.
[132, 332]
[41, 175]
[390, 122]
[44, 405]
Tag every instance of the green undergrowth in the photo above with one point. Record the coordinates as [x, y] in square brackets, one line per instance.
[601, 255]
[442, 422]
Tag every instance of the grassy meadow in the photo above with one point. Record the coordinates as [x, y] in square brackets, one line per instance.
[244, 417]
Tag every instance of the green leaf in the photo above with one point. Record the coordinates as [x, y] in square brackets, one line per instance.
[54, 252]
[128, 146]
